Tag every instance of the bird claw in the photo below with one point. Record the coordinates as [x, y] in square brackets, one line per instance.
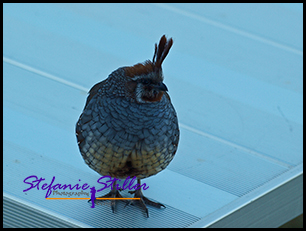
[111, 194]
[144, 200]
[114, 193]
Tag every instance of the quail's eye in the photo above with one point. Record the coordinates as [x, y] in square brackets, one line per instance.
[146, 81]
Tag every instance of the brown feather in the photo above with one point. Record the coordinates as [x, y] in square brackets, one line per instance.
[139, 69]
[156, 99]
[160, 53]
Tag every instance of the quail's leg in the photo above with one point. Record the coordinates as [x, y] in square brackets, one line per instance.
[114, 193]
[143, 200]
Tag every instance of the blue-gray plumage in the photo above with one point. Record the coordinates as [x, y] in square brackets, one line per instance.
[129, 126]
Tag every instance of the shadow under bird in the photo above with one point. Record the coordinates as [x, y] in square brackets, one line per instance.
[129, 127]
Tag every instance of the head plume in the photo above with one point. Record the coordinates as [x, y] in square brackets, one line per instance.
[161, 51]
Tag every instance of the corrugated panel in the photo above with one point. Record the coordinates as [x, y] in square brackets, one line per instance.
[235, 77]
[17, 214]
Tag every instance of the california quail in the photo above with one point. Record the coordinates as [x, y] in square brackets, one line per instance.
[129, 126]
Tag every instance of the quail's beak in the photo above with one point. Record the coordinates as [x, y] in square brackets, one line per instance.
[161, 86]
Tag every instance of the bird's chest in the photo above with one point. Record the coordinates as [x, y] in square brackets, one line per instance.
[131, 124]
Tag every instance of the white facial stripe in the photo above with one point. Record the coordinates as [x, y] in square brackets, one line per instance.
[139, 93]
[151, 75]
[135, 78]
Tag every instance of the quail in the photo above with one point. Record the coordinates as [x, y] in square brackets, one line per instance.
[129, 127]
